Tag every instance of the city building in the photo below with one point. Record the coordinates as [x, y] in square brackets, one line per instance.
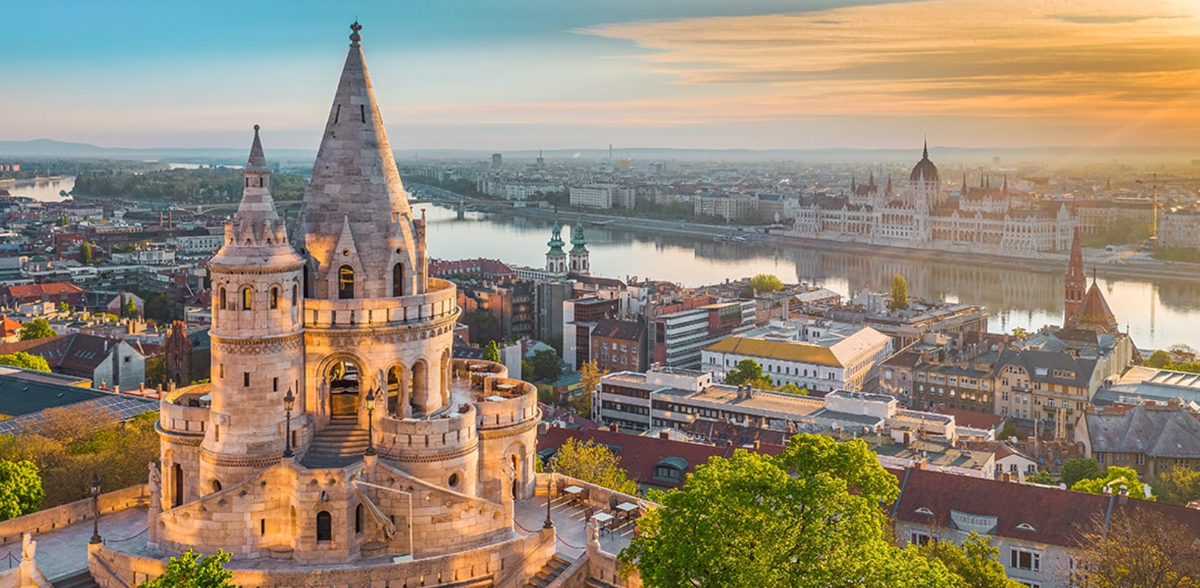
[55, 292]
[603, 196]
[1149, 438]
[727, 206]
[1049, 388]
[108, 363]
[580, 316]
[619, 345]
[677, 338]
[819, 357]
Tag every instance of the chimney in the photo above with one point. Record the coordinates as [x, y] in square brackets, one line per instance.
[663, 435]
[757, 444]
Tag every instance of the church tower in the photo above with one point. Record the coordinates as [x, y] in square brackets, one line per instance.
[1076, 280]
[579, 252]
[556, 258]
[257, 340]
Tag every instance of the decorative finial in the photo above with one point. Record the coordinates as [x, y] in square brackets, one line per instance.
[255, 129]
[925, 152]
[355, 37]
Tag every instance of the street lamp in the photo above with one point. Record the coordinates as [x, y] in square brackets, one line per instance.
[549, 524]
[289, 402]
[370, 421]
[95, 508]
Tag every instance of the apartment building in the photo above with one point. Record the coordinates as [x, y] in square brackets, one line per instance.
[677, 338]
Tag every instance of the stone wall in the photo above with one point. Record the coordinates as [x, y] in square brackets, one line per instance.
[71, 513]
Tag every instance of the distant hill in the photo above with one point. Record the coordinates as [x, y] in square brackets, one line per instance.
[1008, 155]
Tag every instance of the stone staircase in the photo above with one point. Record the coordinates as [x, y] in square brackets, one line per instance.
[552, 570]
[339, 444]
[81, 580]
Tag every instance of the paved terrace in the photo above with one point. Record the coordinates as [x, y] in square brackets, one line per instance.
[63, 552]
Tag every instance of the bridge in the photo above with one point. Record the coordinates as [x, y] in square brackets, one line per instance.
[460, 205]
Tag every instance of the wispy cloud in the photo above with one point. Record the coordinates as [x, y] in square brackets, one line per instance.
[1087, 67]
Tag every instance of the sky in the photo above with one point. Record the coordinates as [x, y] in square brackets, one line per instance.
[555, 74]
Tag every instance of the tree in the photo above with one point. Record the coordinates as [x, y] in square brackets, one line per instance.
[1009, 431]
[899, 293]
[747, 371]
[20, 489]
[492, 352]
[191, 570]
[544, 365]
[158, 308]
[595, 464]
[1115, 478]
[1139, 548]
[1042, 477]
[36, 329]
[589, 378]
[130, 309]
[86, 256]
[1020, 333]
[1074, 470]
[976, 562]
[483, 325]
[765, 283]
[1181, 353]
[790, 388]
[24, 360]
[64, 307]
[807, 518]
[1178, 486]
[1159, 359]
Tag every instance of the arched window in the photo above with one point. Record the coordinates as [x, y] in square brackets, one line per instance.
[274, 298]
[324, 526]
[295, 294]
[358, 519]
[247, 298]
[177, 483]
[223, 304]
[398, 280]
[216, 485]
[345, 282]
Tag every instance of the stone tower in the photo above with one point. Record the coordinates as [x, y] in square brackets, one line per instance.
[579, 252]
[1076, 280]
[556, 258]
[257, 341]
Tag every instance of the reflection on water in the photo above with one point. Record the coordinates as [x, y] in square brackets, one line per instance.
[1158, 312]
[41, 190]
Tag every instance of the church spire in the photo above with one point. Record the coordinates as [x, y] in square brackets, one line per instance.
[1076, 279]
[925, 150]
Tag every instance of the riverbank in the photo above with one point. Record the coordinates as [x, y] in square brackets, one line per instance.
[1104, 263]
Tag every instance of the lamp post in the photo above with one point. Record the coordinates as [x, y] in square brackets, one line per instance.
[549, 524]
[370, 421]
[289, 402]
[95, 508]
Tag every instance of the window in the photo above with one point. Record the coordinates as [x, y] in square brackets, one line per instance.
[918, 538]
[274, 298]
[345, 282]
[1024, 559]
[274, 384]
[1141, 459]
[246, 379]
[398, 280]
[224, 303]
[324, 526]
[295, 294]
[1100, 458]
[247, 298]
[358, 519]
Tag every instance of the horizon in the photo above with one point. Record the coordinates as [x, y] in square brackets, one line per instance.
[760, 76]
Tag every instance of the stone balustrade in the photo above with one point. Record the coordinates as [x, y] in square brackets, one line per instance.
[450, 430]
[504, 402]
[184, 412]
[438, 302]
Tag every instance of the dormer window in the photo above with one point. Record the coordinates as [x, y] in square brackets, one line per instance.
[924, 511]
[1026, 527]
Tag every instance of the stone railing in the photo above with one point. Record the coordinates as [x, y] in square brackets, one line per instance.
[452, 430]
[176, 417]
[71, 513]
[504, 402]
[438, 302]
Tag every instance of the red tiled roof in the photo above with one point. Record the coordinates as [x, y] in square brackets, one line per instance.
[1055, 515]
[26, 291]
[971, 418]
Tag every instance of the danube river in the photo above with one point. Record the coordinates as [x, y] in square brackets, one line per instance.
[1158, 311]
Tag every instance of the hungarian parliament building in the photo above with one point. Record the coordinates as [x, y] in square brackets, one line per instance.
[922, 215]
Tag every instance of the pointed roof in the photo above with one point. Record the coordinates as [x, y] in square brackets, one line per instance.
[577, 238]
[1075, 275]
[1094, 314]
[257, 162]
[256, 236]
[355, 180]
[925, 170]
[556, 241]
[256, 205]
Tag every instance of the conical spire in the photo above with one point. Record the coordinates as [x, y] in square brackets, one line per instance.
[556, 241]
[925, 150]
[256, 205]
[1076, 279]
[577, 238]
[355, 181]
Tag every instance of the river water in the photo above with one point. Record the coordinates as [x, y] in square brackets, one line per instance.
[1158, 312]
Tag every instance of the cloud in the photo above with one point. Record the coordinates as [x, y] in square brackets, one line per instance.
[1086, 66]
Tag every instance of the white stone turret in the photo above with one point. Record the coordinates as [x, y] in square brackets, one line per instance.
[257, 335]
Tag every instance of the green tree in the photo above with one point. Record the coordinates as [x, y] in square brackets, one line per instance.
[1074, 470]
[747, 371]
[158, 308]
[86, 255]
[595, 464]
[130, 309]
[1042, 477]
[1159, 359]
[1020, 333]
[36, 329]
[24, 360]
[20, 489]
[483, 326]
[1178, 486]
[191, 570]
[1009, 430]
[64, 307]
[589, 378]
[1115, 478]
[790, 388]
[492, 352]
[899, 293]
[765, 283]
[544, 365]
[807, 518]
[975, 562]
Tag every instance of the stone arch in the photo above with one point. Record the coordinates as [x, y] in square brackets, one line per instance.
[399, 390]
[516, 465]
[346, 279]
[398, 280]
[343, 375]
[224, 300]
[273, 300]
[419, 376]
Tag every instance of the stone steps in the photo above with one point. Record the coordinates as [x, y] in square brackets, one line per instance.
[81, 580]
[551, 571]
[340, 443]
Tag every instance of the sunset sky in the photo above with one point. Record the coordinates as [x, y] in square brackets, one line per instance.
[527, 74]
